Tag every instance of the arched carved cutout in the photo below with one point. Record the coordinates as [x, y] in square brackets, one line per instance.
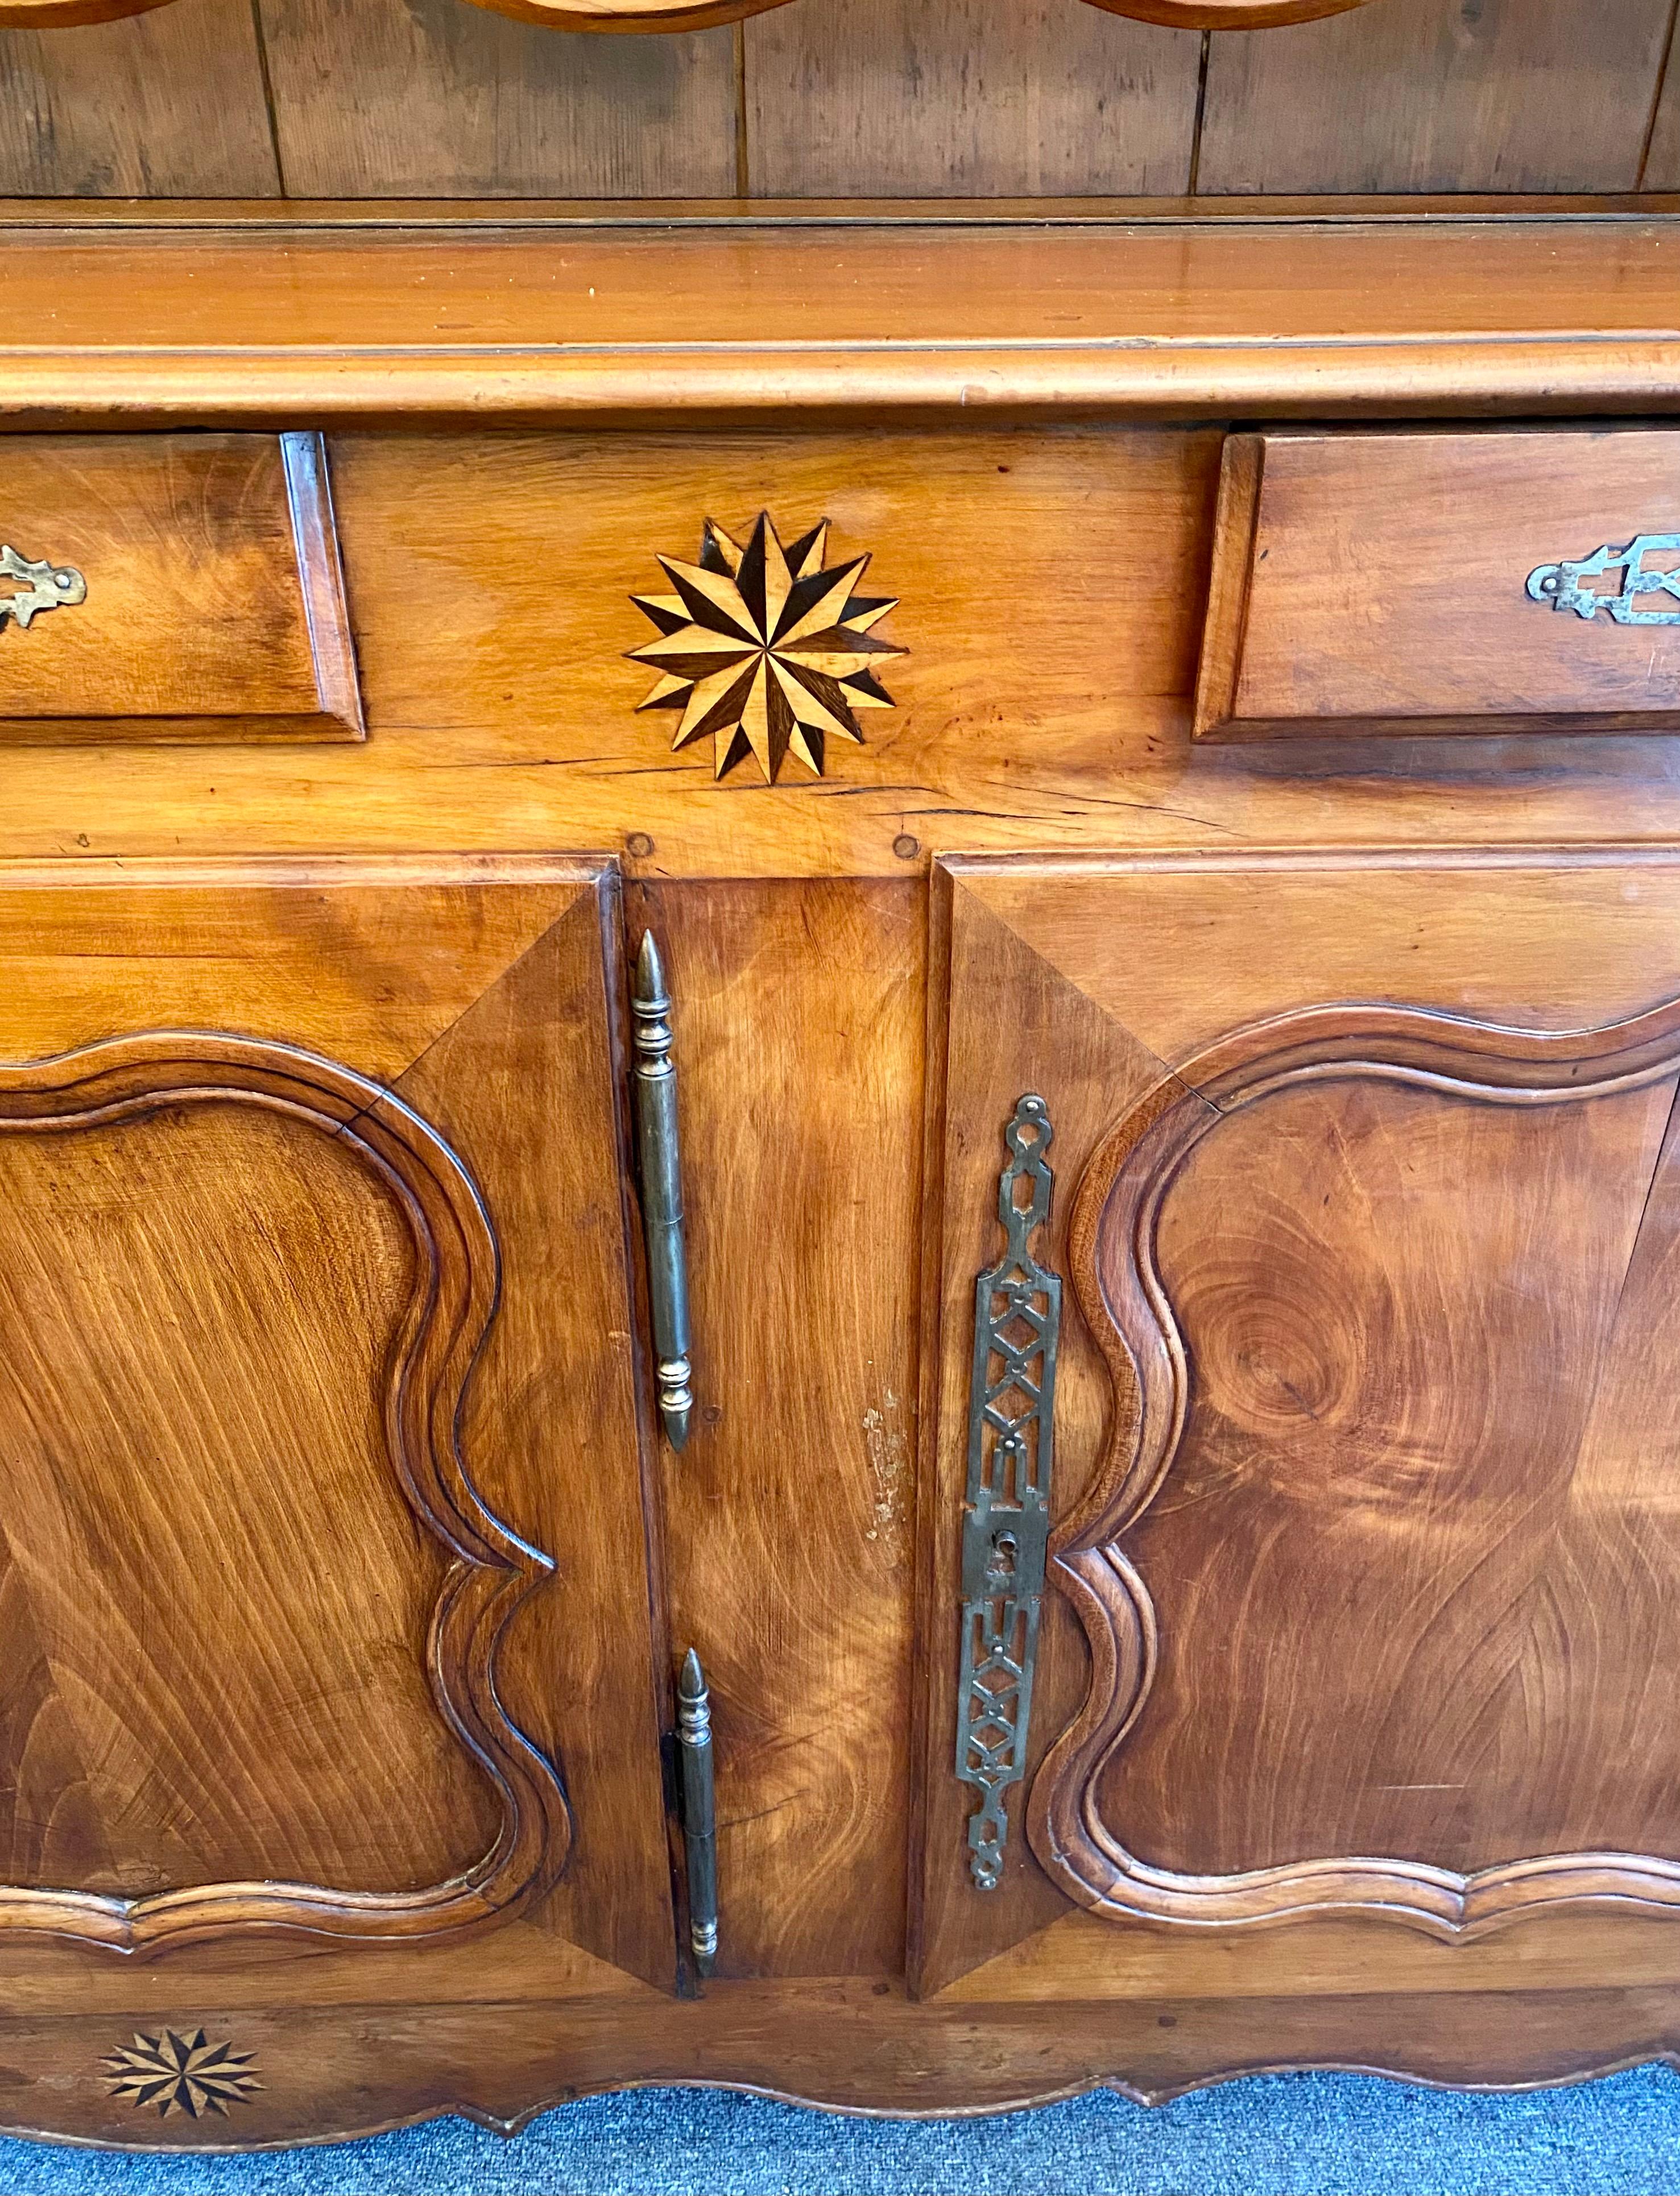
[646, 15]
[430, 1360]
[1227, 15]
[64, 14]
[1117, 1276]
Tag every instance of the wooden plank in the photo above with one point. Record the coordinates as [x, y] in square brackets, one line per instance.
[959, 96]
[790, 1516]
[446, 102]
[1432, 96]
[535, 216]
[1662, 156]
[165, 104]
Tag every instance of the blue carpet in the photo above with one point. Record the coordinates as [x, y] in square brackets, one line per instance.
[1286, 2135]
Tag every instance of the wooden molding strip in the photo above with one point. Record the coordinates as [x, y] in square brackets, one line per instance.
[511, 323]
[43, 388]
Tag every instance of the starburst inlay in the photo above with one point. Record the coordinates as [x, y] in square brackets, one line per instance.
[765, 650]
[180, 2074]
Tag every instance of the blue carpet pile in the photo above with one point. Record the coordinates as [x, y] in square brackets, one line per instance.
[1287, 2135]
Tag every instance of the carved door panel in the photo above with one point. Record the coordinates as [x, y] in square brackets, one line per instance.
[324, 1603]
[1363, 1584]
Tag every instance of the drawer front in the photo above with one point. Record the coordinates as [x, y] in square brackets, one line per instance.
[171, 586]
[1421, 582]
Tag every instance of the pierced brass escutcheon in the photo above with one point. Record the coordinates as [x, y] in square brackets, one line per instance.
[1560, 583]
[1005, 1516]
[44, 586]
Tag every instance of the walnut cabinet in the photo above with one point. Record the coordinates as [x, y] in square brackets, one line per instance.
[1130, 1345]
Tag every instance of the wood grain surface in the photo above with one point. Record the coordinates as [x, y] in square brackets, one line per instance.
[852, 2046]
[214, 602]
[1415, 94]
[165, 104]
[1042, 700]
[442, 100]
[1379, 582]
[1069, 982]
[1406, 1218]
[1661, 169]
[790, 1514]
[783, 321]
[305, 1712]
[899, 97]
[1431, 95]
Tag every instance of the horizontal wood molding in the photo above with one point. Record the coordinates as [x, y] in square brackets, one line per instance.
[758, 320]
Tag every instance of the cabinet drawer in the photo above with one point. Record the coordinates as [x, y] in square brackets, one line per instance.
[1421, 582]
[171, 587]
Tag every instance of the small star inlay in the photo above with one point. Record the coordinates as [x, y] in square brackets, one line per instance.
[180, 2073]
[764, 650]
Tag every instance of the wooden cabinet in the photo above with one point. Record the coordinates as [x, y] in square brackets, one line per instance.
[1166, 1471]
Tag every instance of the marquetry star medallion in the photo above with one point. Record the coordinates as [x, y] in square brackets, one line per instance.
[766, 650]
[180, 2074]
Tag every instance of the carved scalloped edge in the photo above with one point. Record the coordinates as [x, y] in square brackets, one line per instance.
[656, 15]
[1111, 1240]
[1148, 2096]
[458, 1271]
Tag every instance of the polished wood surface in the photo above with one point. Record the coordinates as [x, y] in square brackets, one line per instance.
[214, 601]
[1079, 957]
[778, 321]
[1042, 700]
[1379, 582]
[852, 2046]
[790, 1514]
[849, 1031]
[325, 1734]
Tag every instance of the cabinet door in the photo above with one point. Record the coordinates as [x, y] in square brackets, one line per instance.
[1363, 1582]
[323, 1592]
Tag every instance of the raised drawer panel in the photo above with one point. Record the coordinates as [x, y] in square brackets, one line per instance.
[1421, 582]
[172, 588]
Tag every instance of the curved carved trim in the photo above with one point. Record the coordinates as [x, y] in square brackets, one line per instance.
[62, 15]
[1228, 14]
[1111, 1254]
[632, 15]
[443, 1332]
[644, 16]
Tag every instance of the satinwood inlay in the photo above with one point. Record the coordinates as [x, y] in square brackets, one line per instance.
[765, 649]
[169, 2072]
